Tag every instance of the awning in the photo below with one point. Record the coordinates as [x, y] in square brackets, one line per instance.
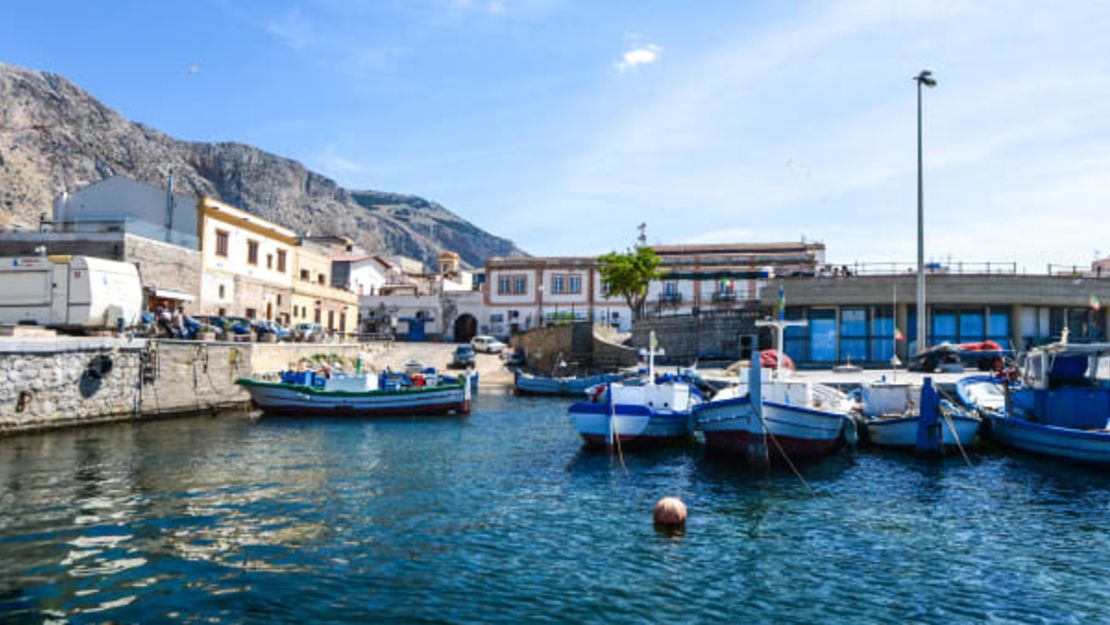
[171, 294]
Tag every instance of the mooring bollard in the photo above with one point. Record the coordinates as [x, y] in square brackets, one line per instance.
[669, 512]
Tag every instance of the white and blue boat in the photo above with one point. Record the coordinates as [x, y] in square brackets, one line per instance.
[913, 417]
[637, 413]
[564, 386]
[1058, 406]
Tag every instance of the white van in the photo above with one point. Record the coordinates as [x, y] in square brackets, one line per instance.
[69, 292]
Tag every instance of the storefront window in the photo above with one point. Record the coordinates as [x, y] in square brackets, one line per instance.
[822, 335]
[998, 325]
[796, 337]
[882, 333]
[944, 326]
[971, 325]
[853, 334]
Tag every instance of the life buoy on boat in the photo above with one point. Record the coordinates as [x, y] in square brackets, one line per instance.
[417, 380]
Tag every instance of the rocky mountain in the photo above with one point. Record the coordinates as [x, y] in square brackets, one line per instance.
[55, 137]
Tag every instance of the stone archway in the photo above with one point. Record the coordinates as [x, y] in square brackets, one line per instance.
[466, 327]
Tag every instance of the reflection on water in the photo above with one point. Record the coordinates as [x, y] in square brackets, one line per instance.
[503, 516]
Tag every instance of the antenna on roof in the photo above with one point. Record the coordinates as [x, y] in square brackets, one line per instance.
[641, 240]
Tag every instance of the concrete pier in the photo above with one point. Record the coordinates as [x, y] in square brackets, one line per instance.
[56, 382]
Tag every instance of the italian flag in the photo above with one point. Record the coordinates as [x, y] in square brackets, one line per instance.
[1095, 304]
[898, 336]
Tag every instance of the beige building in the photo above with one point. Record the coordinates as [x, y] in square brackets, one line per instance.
[314, 299]
[248, 263]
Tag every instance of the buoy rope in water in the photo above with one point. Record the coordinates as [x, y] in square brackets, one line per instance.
[952, 428]
[955, 437]
[617, 438]
[789, 462]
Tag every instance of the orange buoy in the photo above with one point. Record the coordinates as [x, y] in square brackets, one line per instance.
[669, 512]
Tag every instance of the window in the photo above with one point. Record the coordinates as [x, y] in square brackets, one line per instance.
[512, 284]
[998, 325]
[796, 337]
[670, 288]
[331, 319]
[252, 251]
[497, 318]
[317, 315]
[269, 261]
[853, 334]
[279, 299]
[305, 275]
[251, 313]
[322, 279]
[222, 312]
[945, 321]
[221, 291]
[281, 261]
[343, 321]
[558, 284]
[822, 334]
[221, 243]
[575, 284]
[972, 326]
[882, 333]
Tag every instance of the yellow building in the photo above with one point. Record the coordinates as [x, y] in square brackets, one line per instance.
[248, 263]
[314, 299]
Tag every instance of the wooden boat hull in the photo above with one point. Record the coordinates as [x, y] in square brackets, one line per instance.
[732, 426]
[526, 384]
[276, 398]
[901, 432]
[1087, 447]
[633, 425]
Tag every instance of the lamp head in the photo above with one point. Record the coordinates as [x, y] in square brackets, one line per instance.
[926, 78]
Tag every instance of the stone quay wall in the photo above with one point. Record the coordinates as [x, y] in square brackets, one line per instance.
[706, 336]
[62, 381]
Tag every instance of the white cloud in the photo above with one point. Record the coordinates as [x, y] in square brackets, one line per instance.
[807, 126]
[643, 55]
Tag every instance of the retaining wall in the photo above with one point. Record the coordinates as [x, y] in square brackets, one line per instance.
[707, 336]
[50, 382]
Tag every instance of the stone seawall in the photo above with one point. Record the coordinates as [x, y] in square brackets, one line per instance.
[708, 336]
[55, 382]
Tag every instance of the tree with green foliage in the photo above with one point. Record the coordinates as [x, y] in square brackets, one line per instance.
[629, 275]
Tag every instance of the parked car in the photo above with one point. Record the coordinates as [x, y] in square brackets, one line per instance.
[464, 357]
[487, 344]
[263, 327]
[308, 332]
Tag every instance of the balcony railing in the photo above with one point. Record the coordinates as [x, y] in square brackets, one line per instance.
[130, 226]
[724, 297]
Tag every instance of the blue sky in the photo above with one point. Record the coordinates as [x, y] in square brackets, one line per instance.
[562, 125]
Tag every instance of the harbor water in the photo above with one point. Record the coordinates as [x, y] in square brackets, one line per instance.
[503, 517]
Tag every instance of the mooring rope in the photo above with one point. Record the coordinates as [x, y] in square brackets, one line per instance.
[782, 451]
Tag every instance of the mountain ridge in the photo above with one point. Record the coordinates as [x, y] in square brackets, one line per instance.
[55, 137]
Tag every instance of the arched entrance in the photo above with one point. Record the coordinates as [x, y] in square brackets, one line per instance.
[466, 326]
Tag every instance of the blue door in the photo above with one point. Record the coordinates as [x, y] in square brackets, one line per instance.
[416, 329]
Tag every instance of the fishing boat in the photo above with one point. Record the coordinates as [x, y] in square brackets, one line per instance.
[1057, 405]
[771, 417]
[636, 413]
[565, 386]
[908, 416]
[337, 394]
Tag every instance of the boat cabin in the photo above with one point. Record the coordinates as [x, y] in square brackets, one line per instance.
[1066, 386]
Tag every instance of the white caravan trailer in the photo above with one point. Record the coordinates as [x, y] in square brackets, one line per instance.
[69, 292]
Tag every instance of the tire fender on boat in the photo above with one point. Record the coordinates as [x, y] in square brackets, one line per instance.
[850, 432]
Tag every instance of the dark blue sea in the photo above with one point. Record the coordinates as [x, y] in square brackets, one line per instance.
[501, 517]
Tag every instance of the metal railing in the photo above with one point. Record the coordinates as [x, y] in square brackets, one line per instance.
[129, 226]
[933, 267]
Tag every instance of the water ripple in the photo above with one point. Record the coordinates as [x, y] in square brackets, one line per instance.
[503, 517]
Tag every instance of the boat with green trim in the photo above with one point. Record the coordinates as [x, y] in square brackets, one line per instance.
[313, 393]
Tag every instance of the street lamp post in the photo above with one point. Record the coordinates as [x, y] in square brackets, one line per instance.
[924, 78]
